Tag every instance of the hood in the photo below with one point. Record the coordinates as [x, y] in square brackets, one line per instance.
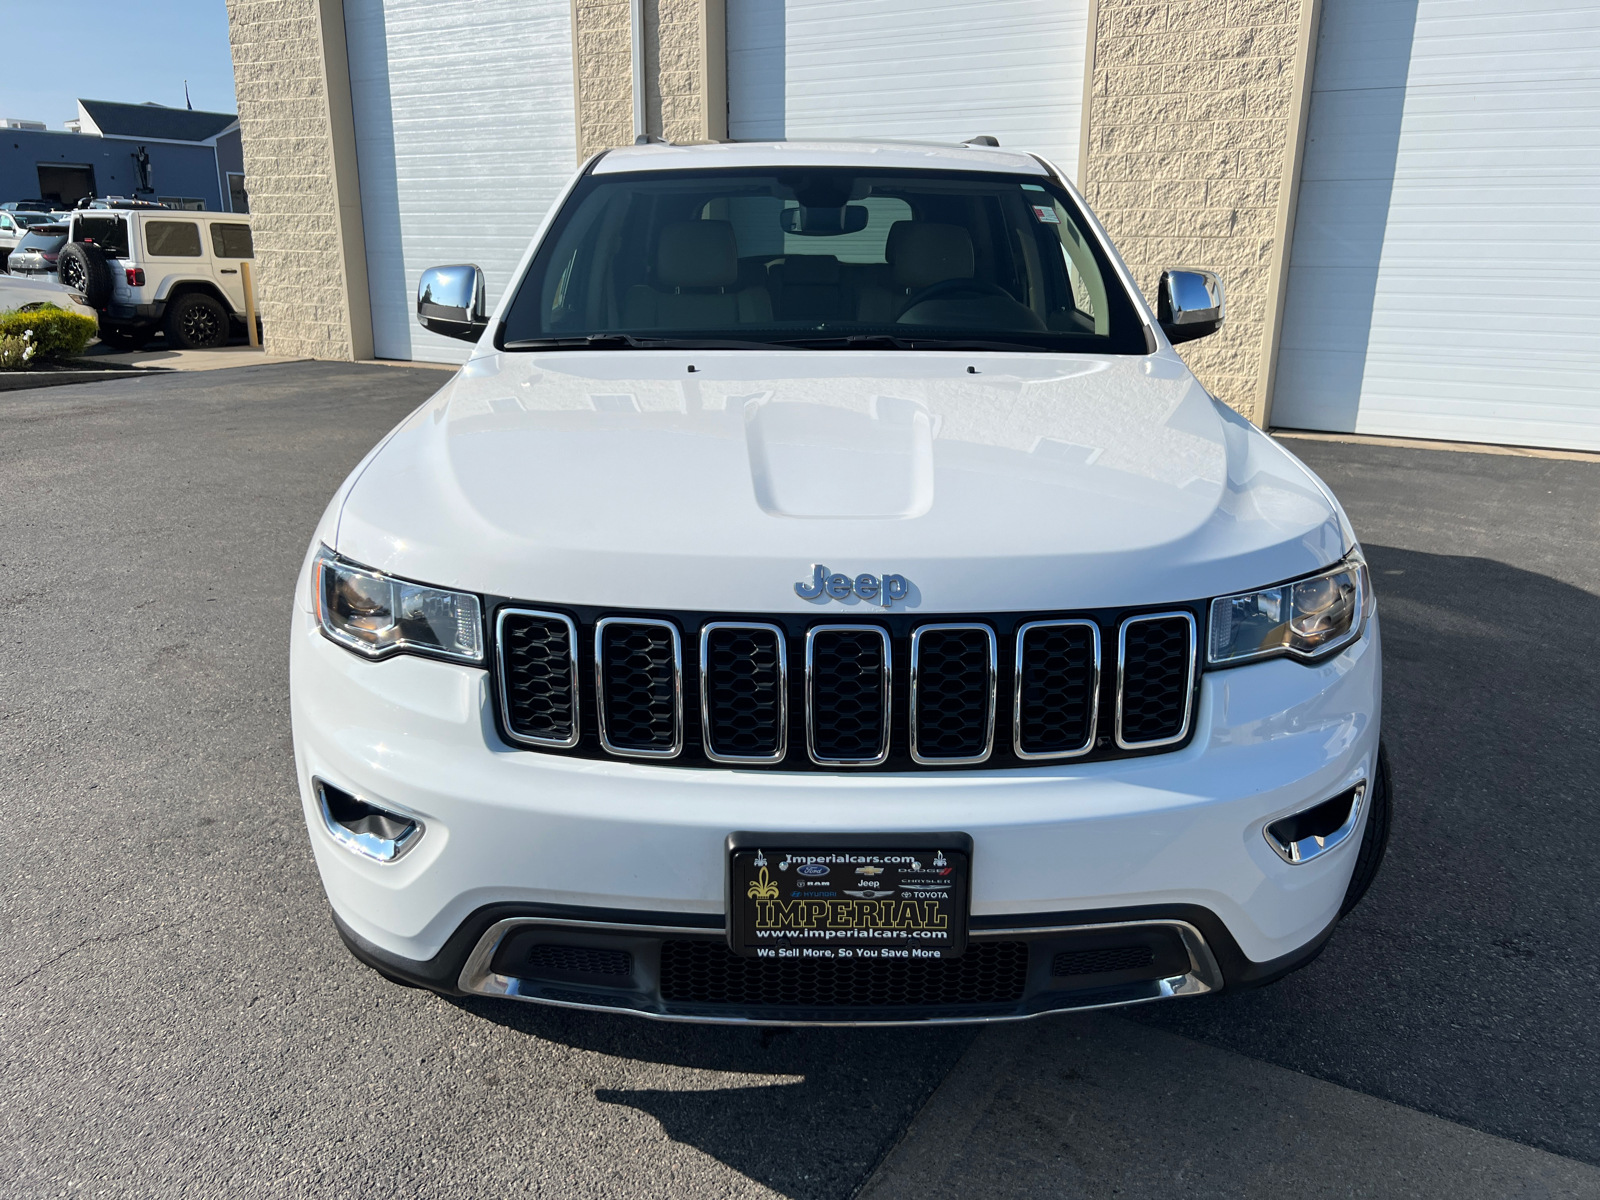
[717, 480]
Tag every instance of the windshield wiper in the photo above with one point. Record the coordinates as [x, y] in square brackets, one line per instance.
[591, 341]
[629, 341]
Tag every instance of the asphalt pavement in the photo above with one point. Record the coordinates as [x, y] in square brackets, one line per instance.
[182, 1019]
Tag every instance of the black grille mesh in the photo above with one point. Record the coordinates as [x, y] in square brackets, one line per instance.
[710, 973]
[1057, 677]
[744, 703]
[538, 675]
[953, 693]
[1096, 962]
[1155, 679]
[639, 671]
[579, 960]
[848, 699]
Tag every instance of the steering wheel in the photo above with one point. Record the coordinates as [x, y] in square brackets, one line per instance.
[946, 288]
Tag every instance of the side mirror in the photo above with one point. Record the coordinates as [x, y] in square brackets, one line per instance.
[450, 300]
[1189, 305]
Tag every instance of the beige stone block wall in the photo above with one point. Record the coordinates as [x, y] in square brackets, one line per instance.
[1193, 123]
[685, 72]
[299, 161]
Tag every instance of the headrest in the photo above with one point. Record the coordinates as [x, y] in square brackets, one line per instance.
[809, 269]
[697, 254]
[924, 253]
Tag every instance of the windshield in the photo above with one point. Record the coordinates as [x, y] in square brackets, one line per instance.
[822, 257]
[33, 218]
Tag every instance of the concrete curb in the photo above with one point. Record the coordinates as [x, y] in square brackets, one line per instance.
[17, 381]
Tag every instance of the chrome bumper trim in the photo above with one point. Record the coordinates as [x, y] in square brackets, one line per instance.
[477, 979]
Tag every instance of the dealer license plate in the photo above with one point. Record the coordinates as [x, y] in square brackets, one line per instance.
[827, 898]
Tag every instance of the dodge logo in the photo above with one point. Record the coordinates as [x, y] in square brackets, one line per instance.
[870, 588]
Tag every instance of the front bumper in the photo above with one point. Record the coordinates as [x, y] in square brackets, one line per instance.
[512, 835]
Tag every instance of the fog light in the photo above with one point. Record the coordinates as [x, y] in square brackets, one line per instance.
[1312, 832]
[363, 828]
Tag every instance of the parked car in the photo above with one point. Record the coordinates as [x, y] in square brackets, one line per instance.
[26, 292]
[12, 226]
[37, 250]
[824, 595]
[11, 231]
[153, 269]
[27, 206]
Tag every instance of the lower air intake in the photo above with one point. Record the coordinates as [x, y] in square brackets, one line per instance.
[1099, 962]
[709, 973]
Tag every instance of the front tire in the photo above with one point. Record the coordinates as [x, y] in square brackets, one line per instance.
[1374, 839]
[196, 322]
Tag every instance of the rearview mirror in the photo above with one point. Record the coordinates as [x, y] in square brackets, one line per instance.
[1189, 304]
[823, 222]
[450, 300]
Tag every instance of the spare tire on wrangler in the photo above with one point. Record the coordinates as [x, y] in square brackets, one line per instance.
[83, 269]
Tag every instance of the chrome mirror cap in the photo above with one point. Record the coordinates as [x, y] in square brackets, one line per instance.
[451, 301]
[1189, 304]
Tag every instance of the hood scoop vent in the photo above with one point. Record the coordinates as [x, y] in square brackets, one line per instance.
[843, 460]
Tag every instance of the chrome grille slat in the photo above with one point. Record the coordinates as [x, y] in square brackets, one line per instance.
[1155, 679]
[953, 680]
[538, 676]
[849, 707]
[1057, 689]
[744, 692]
[638, 673]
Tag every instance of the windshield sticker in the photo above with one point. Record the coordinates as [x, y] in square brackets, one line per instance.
[1046, 214]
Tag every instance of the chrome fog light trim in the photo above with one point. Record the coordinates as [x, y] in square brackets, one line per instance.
[1313, 831]
[383, 835]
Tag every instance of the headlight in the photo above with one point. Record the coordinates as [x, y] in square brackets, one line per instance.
[1307, 618]
[376, 615]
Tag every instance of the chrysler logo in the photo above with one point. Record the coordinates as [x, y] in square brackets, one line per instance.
[870, 588]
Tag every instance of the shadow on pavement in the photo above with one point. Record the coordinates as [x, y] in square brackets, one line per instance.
[1467, 984]
[837, 1101]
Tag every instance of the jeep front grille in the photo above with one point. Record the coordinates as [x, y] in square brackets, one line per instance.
[952, 694]
[894, 692]
[848, 702]
[639, 688]
[539, 676]
[1155, 663]
[744, 685]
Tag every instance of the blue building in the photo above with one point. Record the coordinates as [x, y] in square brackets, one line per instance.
[178, 156]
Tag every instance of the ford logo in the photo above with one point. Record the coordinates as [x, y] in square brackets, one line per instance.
[811, 869]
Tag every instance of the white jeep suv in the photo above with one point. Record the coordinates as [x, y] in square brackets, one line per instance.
[149, 270]
[824, 596]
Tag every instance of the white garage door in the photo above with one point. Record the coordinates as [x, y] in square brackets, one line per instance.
[931, 69]
[1441, 280]
[464, 135]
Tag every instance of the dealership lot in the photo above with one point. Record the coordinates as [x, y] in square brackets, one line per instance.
[182, 1016]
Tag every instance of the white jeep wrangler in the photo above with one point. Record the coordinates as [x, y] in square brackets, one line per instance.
[146, 270]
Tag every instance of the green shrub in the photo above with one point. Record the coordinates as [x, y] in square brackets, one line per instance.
[52, 332]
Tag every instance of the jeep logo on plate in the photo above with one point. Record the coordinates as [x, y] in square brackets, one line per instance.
[870, 588]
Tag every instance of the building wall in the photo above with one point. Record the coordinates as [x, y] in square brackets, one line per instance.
[176, 170]
[685, 71]
[291, 75]
[1192, 137]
